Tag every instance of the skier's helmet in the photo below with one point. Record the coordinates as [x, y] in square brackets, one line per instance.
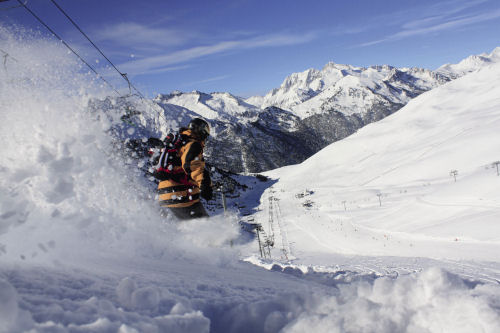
[200, 128]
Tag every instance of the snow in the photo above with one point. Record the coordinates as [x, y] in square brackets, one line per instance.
[348, 89]
[471, 63]
[389, 187]
[379, 306]
[209, 106]
[255, 101]
[84, 248]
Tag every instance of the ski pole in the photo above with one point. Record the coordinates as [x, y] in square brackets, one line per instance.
[224, 203]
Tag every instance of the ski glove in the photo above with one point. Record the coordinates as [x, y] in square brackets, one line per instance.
[206, 186]
[206, 192]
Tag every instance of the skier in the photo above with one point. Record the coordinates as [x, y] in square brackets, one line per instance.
[181, 171]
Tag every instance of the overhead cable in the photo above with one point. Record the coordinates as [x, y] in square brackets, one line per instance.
[13, 7]
[66, 44]
[124, 75]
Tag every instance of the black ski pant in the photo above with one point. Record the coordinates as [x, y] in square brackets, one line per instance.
[192, 212]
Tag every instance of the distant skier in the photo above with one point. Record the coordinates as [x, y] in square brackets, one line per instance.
[181, 171]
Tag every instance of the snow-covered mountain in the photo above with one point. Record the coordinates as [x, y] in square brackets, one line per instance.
[350, 90]
[248, 139]
[215, 106]
[354, 90]
[470, 64]
[308, 111]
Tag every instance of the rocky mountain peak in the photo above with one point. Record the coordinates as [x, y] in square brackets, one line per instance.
[310, 110]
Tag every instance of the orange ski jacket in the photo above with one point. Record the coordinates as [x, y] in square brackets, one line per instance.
[184, 190]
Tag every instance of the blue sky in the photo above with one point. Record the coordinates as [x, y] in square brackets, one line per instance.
[247, 47]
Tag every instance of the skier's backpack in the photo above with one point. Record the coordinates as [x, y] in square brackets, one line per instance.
[169, 159]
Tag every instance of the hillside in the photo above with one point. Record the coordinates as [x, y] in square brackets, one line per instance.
[390, 189]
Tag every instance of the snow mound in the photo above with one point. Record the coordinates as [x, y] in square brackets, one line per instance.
[434, 301]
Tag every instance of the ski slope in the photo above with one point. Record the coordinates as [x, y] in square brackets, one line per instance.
[83, 247]
[390, 189]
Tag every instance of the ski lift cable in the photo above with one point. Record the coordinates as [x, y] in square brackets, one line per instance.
[123, 75]
[66, 44]
[12, 7]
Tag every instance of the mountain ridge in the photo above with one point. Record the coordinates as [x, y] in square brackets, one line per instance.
[309, 110]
